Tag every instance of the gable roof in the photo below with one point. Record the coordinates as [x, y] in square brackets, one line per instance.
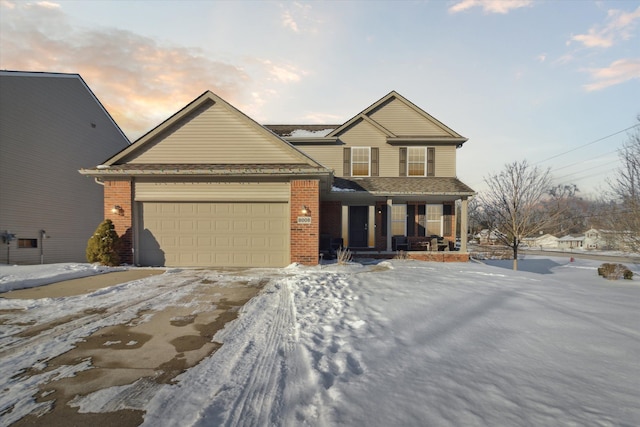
[396, 131]
[192, 136]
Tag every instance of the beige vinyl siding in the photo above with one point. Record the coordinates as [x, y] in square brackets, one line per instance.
[219, 234]
[329, 156]
[46, 136]
[363, 134]
[446, 161]
[212, 191]
[215, 134]
[402, 120]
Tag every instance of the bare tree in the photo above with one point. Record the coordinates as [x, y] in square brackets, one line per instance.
[564, 198]
[514, 204]
[625, 212]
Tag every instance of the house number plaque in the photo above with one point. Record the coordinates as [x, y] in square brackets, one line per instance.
[304, 220]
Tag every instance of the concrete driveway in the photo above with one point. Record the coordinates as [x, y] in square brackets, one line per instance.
[149, 350]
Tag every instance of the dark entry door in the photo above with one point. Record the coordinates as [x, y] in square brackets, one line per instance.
[358, 226]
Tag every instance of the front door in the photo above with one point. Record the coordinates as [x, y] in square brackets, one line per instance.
[358, 226]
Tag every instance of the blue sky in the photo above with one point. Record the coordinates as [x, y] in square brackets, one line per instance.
[534, 80]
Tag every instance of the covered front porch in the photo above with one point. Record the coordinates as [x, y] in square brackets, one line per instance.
[421, 216]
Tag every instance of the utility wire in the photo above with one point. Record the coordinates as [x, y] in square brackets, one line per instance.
[586, 160]
[587, 144]
[579, 147]
[589, 171]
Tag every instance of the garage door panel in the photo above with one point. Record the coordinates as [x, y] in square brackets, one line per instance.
[214, 234]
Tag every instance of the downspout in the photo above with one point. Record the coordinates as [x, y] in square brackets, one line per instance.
[43, 234]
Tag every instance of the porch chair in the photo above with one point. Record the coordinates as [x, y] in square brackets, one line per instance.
[400, 243]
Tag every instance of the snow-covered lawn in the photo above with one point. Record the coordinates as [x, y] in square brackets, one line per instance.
[394, 343]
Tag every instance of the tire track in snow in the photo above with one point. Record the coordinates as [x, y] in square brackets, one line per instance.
[242, 383]
[265, 384]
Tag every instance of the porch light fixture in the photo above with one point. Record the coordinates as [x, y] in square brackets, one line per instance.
[305, 210]
[117, 209]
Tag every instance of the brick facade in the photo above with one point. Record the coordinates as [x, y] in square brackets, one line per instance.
[331, 219]
[305, 238]
[119, 192]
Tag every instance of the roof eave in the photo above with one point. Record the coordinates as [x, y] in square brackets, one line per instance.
[311, 140]
[426, 139]
[103, 173]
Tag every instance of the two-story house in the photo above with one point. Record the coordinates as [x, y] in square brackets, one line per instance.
[395, 175]
[212, 187]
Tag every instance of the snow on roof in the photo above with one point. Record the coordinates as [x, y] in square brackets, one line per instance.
[303, 133]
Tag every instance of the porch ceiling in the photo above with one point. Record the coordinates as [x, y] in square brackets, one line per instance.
[402, 186]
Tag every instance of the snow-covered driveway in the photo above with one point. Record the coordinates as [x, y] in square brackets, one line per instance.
[414, 343]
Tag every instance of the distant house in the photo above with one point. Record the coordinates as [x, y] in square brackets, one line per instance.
[607, 239]
[571, 242]
[51, 125]
[594, 239]
[487, 237]
[212, 187]
[545, 241]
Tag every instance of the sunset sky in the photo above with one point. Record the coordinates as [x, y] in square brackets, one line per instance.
[553, 82]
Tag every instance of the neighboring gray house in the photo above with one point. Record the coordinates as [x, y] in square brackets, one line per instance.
[51, 125]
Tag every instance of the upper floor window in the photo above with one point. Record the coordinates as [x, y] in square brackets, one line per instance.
[417, 161]
[361, 161]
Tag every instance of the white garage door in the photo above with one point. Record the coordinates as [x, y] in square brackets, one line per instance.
[219, 234]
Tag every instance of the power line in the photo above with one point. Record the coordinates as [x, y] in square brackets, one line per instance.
[577, 148]
[587, 144]
[589, 171]
[584, 161]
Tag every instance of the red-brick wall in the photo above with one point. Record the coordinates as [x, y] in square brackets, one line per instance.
[331, 219]
[305, 238]
[119, 192]
[381, 240]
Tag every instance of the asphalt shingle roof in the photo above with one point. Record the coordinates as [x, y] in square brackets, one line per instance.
[403, 185]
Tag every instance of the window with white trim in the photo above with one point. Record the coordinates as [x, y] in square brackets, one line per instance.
[416, 161]
[360, 161]
[399, 220]
[433, 220]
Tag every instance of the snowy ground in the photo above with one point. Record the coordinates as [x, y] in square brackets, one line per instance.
[395, 343]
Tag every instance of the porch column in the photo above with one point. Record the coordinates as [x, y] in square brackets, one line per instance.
[464, 213]
[345, 226]
[389, 204]
[371, 232]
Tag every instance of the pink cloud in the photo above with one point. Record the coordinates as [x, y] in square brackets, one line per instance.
[490, 6]
[620, 71]
[619, 25]
[140, 81]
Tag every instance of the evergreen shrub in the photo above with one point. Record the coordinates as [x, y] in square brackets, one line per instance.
[103, 246]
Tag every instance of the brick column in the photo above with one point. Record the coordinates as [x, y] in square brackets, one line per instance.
[119, 192]
[305, 238]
